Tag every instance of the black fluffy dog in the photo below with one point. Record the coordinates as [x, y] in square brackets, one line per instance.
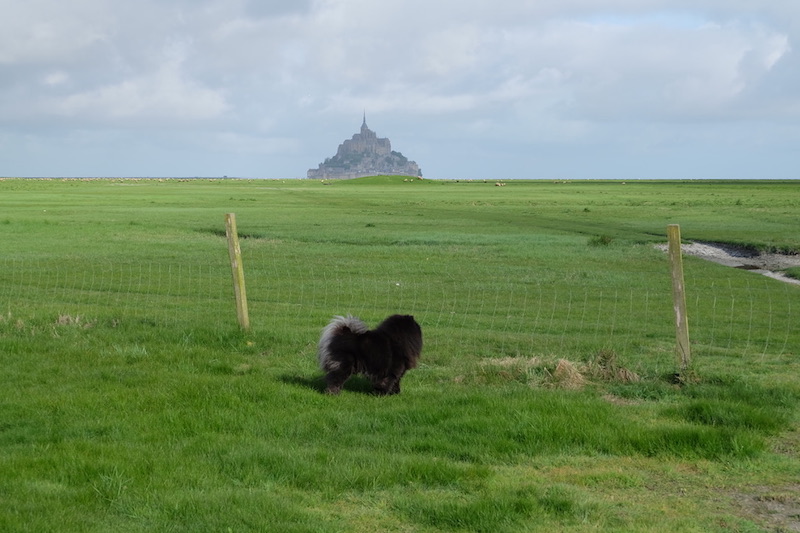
[384, 354]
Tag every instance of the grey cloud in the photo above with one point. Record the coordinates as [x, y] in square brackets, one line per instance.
[224, 76]
[272, 8]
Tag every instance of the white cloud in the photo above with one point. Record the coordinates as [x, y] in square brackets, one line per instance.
[163, 94]
[654, 73]
[46, 32]
[58, 77]
[274, 77]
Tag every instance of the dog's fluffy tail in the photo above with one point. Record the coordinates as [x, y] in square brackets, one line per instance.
[340, 325]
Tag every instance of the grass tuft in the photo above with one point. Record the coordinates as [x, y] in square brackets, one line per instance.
[504, 510]
[793, 272]
[601, 240]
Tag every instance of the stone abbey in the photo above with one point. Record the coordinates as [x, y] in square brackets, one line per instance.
[365, 155]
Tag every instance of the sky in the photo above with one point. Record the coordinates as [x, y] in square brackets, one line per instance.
[469, 89]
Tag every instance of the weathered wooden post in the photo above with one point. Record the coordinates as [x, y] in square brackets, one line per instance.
[237, 269]
[679, 299]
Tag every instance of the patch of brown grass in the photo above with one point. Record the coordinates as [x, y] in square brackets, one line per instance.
[563, 374]
[605, 367]
[567, 376]
[77, 321]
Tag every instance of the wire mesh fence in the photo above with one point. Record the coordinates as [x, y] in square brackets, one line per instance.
[511, 311]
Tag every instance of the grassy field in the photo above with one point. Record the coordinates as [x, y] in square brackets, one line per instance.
[131, 401]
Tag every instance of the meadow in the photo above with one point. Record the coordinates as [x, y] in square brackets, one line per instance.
[130, 399]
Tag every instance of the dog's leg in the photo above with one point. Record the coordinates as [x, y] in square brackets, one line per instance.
[381, 385]
[393, 381]
[386, 386]
[336, 379]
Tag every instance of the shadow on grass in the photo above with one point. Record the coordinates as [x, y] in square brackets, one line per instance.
[219, 232]
[357, 384]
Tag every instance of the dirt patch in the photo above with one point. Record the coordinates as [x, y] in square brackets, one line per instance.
[777, 508]
[767, 264]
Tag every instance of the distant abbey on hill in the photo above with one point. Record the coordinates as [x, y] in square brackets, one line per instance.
[365, 155]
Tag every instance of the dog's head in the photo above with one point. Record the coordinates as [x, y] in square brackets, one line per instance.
[406, 334]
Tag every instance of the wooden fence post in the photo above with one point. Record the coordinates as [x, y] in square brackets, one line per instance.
[679, 298]
[237, 269]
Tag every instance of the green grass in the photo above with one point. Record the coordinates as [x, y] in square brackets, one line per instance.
[130, 400]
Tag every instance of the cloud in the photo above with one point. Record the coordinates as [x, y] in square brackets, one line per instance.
[621, 60]
[655, 65]
[164, 94]
[630, 73]
[55, 78]
[284, 77]
[238, 143]
[47, 32]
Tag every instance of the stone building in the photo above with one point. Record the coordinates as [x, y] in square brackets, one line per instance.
[365, 155]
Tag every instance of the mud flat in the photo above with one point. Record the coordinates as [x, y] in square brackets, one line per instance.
[767, 264]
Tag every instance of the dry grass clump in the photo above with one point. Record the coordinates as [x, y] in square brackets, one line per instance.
[605, 367]
[564, 374]
[77, 321]
[567, 376]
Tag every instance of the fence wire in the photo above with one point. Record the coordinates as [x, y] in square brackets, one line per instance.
[512, 312]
